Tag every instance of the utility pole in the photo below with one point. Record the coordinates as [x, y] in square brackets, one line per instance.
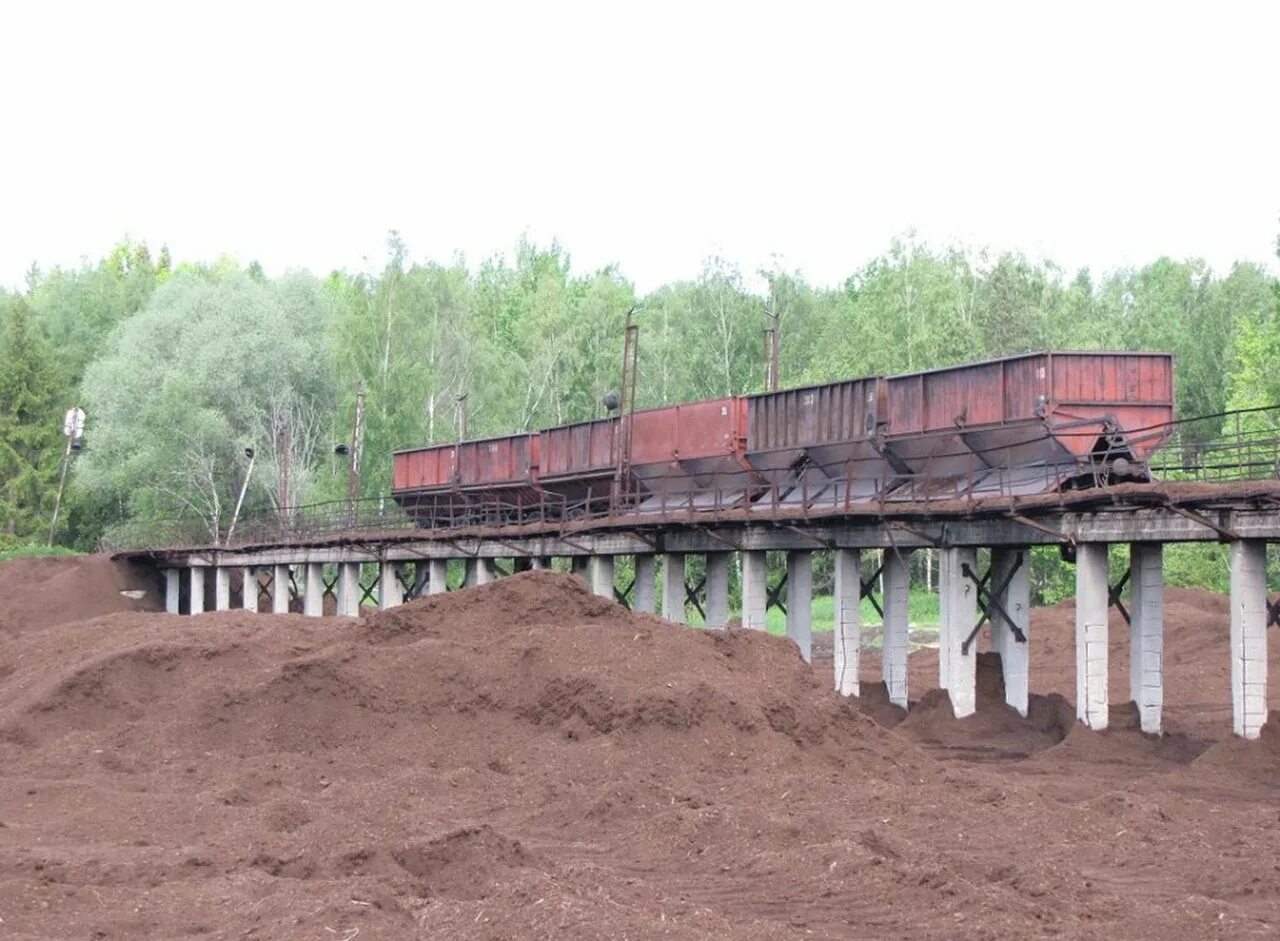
[462, 415]
[252, 455]
[357, 444]
[626, 402]
[73, 428]
[772, 346]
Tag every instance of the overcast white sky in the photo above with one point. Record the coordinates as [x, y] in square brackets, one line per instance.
[649, 134]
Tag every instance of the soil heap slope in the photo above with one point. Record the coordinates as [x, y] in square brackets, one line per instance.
[527, 760]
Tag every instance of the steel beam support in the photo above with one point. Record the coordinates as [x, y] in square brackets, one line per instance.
[1092, 587]
[195, 590]
[958, 612]
[313, 590]
[673, 587]
[1248, 563]
[895, 642]
[1010, 568]
[1146, 633]
[717, 590]
[755, 589]
[847, 636]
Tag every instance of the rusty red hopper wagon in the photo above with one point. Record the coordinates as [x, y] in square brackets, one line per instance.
[1021, 424]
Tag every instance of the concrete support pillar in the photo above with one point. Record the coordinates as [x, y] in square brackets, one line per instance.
[717, 590]
[172, 590]
[539, 562]
[895, 643]
[958, 614]
[313, 590]
[673, 593]
[800, 601]
[755, 595]
[600, 576]
[646, 582]
[349, 589]
[195, 589]
[1015, 599]
[390, 591]
[478, 573]
[248, 589]
[280, 589]
[437, 576]
[1248, 561]
[847, 639]
[1092, 703]
[222, 588]
[1146, 633]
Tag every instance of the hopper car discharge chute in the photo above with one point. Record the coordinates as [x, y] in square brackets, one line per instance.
[818, 445]
[1027, 424]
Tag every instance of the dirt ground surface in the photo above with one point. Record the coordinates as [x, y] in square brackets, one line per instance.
[525, 760]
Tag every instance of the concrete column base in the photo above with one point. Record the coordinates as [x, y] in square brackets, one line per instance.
[717, 590]
[222, 588]
[248, 589]
[895, 644]
[478, 573]
[313, 591]
[755, 594]
[847, 639]
[1092, 699]
[195, 591]
[673, 589]
[958, 614]
[600, 576]
[1146, 633]
[800, 602]
[280, 589]
[349, 589]
[437, 576]
[1248, 563]
[646, 584]
[390, 590]
[1015, 659]
[172, 590]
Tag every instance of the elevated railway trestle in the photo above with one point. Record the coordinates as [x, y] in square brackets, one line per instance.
[1077, 451]
[392, 566]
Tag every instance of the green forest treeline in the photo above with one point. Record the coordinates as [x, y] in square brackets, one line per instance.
[180, 367]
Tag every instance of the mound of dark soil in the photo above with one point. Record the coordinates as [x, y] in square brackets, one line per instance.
[527, 760]
[39, 592]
